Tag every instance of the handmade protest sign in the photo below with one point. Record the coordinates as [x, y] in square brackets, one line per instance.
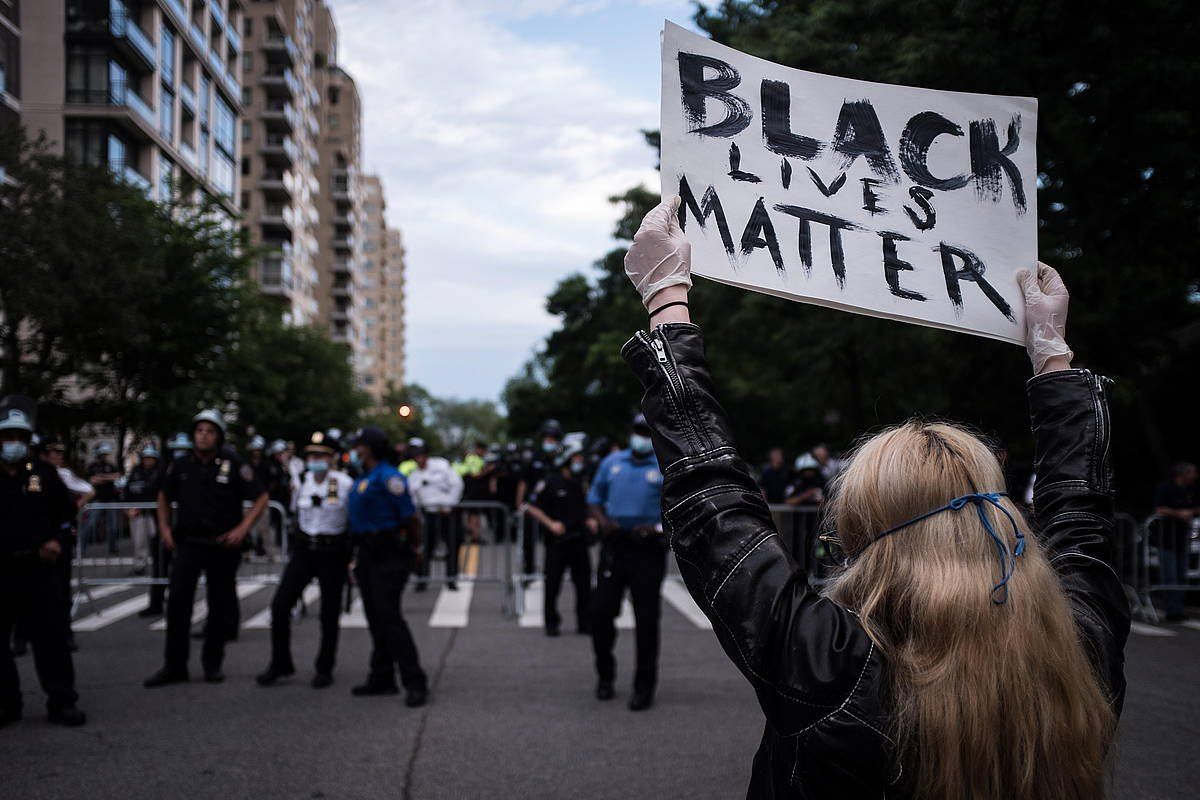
[895, 201]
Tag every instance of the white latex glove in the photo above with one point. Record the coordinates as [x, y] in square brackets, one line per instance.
[1046, 301]
[660, 256]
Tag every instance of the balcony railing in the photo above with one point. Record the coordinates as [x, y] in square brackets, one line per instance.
[197, 36]
[135, 178]
[217, 13]
[276, 76]
[277, 41]
[187, 97]
[277, 274]
[281, 145]
[124, 27]
[235, 38]
[121, 94]
[281, 111]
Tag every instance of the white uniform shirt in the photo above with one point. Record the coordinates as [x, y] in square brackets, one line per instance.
[75, 484]
[330, 517]
[437, 486]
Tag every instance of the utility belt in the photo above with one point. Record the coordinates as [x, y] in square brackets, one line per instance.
[387, 540]
[323, 542]
[641, 536]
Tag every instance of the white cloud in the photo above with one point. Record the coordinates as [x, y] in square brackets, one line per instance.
[497, 154]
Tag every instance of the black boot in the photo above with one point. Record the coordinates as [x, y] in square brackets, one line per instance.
[414, 698]
[374, 688]
[273, 673]
[641, 700]
[321, 680]
[604, 690]
[164, 677]
[68, 716]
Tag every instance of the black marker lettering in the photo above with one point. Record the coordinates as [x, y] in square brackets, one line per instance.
[760, 232]
[785, 174]
[831, 189]
[695, 90]
[971, 270]
[735, 163]
[870, 199]
[777, 123]
[915, 142]
[858, 133]
[988, 159]
[893, 265]
[921, 196]
[710, 205]
[836, 226]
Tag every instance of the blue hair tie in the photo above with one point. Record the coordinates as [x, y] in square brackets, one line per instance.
[1008, 562]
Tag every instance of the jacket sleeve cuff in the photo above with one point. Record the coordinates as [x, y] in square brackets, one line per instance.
[1071, 430]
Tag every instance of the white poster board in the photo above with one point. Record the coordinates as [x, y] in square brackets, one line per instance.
[899, 202]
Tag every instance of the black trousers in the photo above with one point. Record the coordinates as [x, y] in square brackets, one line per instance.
[562, 555]
[31, 595]
[381, 570]
[639, 566]
[327, 563]
[443, 528]
[219, 565]
[161, 558]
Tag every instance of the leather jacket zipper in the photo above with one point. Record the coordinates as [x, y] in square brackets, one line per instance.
[1103, 434]
[676, 391]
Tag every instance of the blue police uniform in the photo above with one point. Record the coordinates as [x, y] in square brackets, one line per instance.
[380, 516]
[629, 488]
[380, 501]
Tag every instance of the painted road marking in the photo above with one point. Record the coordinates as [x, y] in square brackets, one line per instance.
[1149, 630]
[1191, 623]
[113, 613]
[677, 595]
[535, 607]
[453, 608]
[200, 607]
[262, 620]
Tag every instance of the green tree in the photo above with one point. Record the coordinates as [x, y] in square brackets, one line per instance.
[1117, 205]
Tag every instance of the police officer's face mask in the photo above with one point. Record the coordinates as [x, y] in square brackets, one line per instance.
[641, 444]
[577, 467]
[13, 452]
[549, 446]
[318, 466]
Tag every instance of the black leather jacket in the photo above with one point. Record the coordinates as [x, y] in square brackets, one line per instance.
[820, 680]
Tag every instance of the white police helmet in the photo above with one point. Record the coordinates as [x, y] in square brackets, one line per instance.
[277, 447]
[257, 443]
[806, 461]
[210, 415]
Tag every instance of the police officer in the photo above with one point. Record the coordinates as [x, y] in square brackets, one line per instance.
[37, 513]
[626, 500]
[538, 463]
[320, 549]
[141, 486]
[384, 529]
[179, 446]
[209, 485]
[559, 504]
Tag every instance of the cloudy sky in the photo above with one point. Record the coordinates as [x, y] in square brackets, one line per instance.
[500, 128]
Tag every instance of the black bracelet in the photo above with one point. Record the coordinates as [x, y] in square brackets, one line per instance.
[668, 305]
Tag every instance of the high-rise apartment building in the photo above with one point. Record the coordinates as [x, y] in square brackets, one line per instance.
[10, 63]
[341, 197]
[391, 335]
[280, 160]
[152, 89]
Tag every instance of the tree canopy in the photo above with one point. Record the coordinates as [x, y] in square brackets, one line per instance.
[1117, 206]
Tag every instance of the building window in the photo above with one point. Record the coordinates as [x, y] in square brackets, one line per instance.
[335, 94]
[205, 93]
[166, 55]
[166, 178]
[166, 115]
[116, 154]
[246, 131]
[335, 122]
[247, 96]
[86, 142]
[247, 27]
[245, 168]
[89, 79]
[247, 60]
[223, 128]
[222, 172]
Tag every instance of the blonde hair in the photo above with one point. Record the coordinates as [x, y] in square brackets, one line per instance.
[990, 700]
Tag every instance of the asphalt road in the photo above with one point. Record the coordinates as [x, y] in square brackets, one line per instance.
[512, 715]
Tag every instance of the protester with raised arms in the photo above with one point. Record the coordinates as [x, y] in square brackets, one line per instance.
[960, 652]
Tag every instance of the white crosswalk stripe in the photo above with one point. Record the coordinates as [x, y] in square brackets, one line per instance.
[103, 617]
[200, 608]
[678, 596]
[262, 620]
[453, 608]
[1149, 630]
[535, 605]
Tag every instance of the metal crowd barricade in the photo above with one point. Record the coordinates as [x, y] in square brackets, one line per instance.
[1148, 550]
[479, 531]
[107, 554]
[798, 526]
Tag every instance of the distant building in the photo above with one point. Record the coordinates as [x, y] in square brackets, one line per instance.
[280, 132]
[391, 335]
[150, 89]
